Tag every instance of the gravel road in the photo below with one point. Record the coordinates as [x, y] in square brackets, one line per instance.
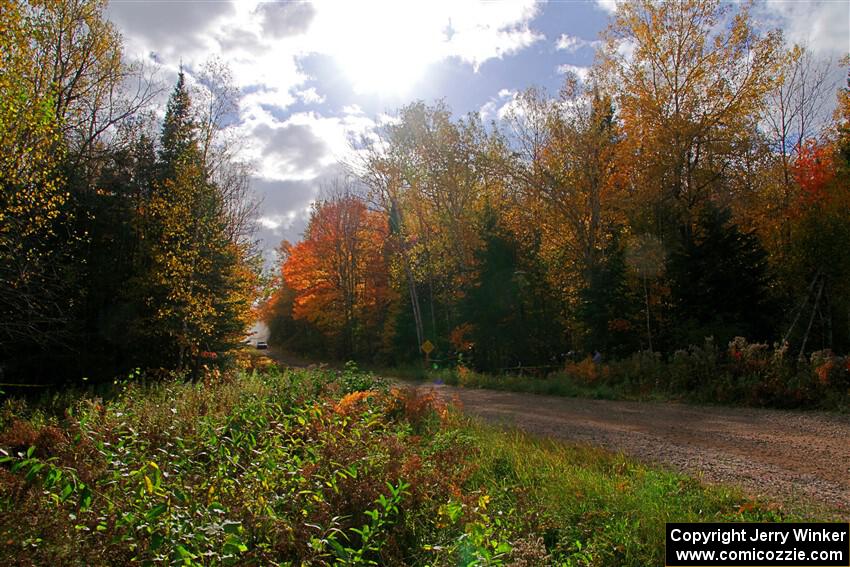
[790, 456]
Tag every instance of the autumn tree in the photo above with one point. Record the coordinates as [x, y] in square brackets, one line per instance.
[565, 170]
[337, 273]
[112, 253]
[794, 114]
[196, 284]
[689, 79]
[216, 107]
[842, 121]
[33, 198]
[68, 98]
[110, 256]
[78, 54]
[507, 312]
[646, 257]
[573, 170]
[381, 171]
[429, 173]
[445, 176]
[493, 303]
[720, 282]
[285, 331]
[819, 254]
[441, 165]
[608, 307]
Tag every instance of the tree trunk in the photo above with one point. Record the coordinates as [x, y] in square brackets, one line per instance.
[811, 320]
[646, 300]
[414, 302]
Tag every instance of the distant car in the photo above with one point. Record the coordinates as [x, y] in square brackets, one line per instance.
[262, 345]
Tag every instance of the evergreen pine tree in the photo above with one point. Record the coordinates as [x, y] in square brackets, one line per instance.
[720, 283]
[493, 304]
[197, 286]
[608, 308]
[178, 141]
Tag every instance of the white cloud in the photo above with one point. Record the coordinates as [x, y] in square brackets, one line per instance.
[284, 19]
[488, 110]
[386, 46]
[287, 205]
[580, 72]
[190, 33]
[310, 96]
[609, 6]
[626, 48]
[277, 222]
[260, 101]
[568, 43]
[296, 149]
[382, 46]
[571, 43]
[498, 106]
[511, 107]
[171, 29]
[385, 119]
[300, 146]
[824, 27]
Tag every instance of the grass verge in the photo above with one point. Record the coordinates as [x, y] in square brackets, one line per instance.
[551, 385]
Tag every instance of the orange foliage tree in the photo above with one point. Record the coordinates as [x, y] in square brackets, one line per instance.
[813, 170]
[338, 274]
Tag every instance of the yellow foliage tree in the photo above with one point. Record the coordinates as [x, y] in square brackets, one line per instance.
[690, 79]
[32, 197]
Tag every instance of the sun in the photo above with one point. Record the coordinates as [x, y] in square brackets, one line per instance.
[372, 67]
[384, 48]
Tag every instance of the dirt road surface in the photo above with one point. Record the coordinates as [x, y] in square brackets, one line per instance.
[790, 456]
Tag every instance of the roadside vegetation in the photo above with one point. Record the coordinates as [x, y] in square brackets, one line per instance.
[323, 467]
[742, 374]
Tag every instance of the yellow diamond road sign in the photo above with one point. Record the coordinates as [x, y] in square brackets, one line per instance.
[427, 347]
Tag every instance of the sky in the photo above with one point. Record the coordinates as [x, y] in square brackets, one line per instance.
[315, 74]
